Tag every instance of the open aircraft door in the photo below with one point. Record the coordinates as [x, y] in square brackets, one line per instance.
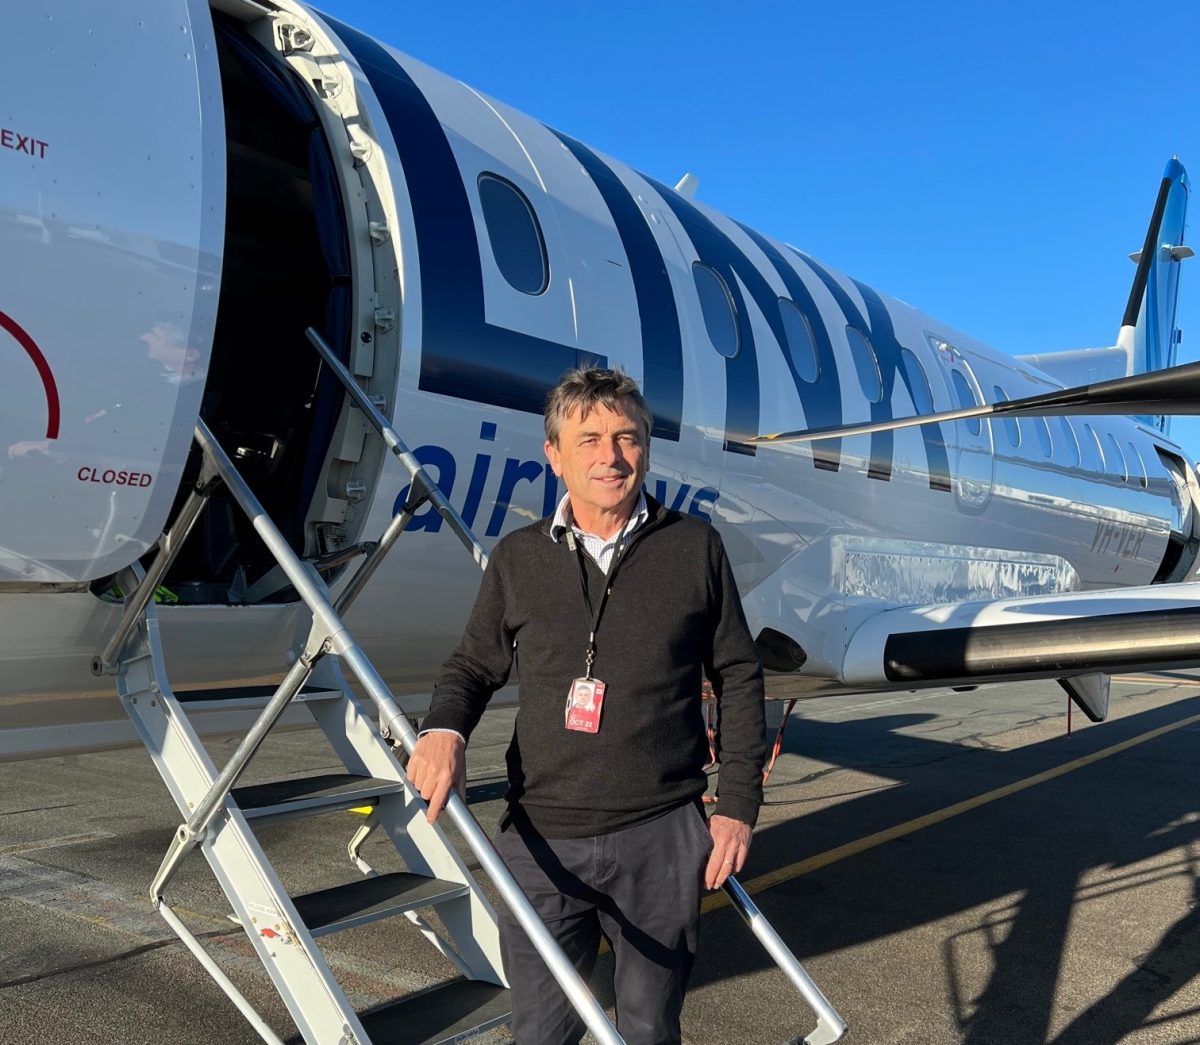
[112, 213]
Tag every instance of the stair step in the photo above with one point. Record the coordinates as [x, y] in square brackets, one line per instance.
[236, 698]
[370, 899]
[445, 1014]
[303, 796]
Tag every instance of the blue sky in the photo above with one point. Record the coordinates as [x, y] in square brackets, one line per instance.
[992, 165]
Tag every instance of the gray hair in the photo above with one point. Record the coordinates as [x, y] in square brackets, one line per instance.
[585, 389]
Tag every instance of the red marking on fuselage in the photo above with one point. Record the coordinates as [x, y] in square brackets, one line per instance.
[43, 368]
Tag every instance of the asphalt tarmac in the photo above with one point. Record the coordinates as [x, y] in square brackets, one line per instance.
[950, 867]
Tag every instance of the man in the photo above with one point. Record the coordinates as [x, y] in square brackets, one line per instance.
[617, 603]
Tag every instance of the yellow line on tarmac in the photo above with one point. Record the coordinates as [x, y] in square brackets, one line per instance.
[53, 843]
[715, 901]
[1165, 678]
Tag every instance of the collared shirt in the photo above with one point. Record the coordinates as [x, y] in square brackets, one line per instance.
[600, 549]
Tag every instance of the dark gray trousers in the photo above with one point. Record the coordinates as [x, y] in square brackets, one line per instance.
[641, 888]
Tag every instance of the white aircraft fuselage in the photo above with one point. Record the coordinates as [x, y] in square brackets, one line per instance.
[460, 256]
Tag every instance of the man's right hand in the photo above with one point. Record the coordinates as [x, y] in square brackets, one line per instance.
[438, 763]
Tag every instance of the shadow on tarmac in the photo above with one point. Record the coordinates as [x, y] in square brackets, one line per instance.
[1040, 844]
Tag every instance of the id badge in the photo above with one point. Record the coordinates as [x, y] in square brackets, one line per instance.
[584, 702]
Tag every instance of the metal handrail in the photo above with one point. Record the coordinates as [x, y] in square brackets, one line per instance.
[402, 453]
[331, 632]
[190, 834]
[169, 546]
[830, 1025]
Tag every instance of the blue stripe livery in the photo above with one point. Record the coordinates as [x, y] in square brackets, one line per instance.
[662, 344]
[465, 357]
[462, 355]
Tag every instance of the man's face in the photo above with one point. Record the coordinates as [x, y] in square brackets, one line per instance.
[602, 459]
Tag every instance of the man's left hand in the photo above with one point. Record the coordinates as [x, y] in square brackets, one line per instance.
[731, 843]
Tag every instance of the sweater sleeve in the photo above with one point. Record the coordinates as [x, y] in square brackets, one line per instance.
[735, 671]
[483, 659]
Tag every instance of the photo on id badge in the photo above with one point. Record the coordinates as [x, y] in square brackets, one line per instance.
[584, 703]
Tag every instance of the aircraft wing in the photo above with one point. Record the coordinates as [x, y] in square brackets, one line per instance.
[1150, 628]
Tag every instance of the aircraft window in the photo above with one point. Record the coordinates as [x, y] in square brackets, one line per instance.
[866, 364]
[1136, 465]
[1011, 428]
[1068, 442]
[966, 399]
[1042, 431]
[1116, 459]
[1094, 440]
[800, 344]
[514, 233]
[720, 318]
[922, 396]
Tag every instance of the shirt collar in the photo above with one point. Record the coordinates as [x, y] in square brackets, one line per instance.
[562, 518]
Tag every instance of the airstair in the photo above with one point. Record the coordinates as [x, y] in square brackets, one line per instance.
[221, 817]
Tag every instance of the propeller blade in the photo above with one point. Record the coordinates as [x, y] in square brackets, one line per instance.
[1173, 391]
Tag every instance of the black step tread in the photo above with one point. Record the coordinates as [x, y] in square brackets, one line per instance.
[327, 785]
[234, 693]
[371, 898]
[439, 1015]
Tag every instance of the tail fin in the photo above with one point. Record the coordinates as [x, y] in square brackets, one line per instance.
[1148, 330]
[1148, 339]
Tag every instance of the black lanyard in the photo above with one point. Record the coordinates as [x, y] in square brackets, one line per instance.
[598, 609]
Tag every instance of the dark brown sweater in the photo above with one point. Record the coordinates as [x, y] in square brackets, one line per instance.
[673, 617]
